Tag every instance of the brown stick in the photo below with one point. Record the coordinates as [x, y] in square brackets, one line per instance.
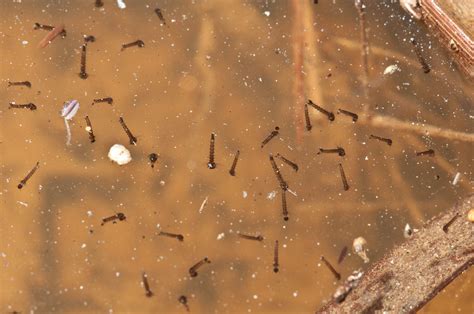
[417, 270]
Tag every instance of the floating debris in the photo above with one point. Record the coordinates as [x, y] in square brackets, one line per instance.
[121, 4]
[146, 285]
[133, 140]
[69, 110]
[359, 247]
[153, 158]
[89, 129]
[23, 83]
[99, 3]
[354, 116]
[30, 106]
[211, 164]
[83, 74]
[343, 178]
[89, 38]
[328, 114]
[331, 268]
[203, 204]
[456, 179]
[28, 176]
[139, 43]
[234, 163]
[270, 136]
[382, 139]
[391, 69]
[351, 283]
[195, 267]
[119, 154]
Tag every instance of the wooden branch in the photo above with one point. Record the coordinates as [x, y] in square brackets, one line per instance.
[417, 270]
[420, 128]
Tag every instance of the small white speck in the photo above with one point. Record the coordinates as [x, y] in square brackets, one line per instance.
[90, 213]
[271, 195]
[220, 236]
[203, 205]
[295, 294]
[255, 297]
[117, 274]
[83, 245]
[391, 69]
[24, 42]
[456, 178]
[22, 203]
[266, 13]
[244, 194]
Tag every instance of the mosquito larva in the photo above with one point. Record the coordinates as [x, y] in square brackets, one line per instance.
[179, 237]
[30, 106]
[331, 268]
[270, 136]
[382, 139]
[108, 100]
[339, 150]
[22, 83]
[288, 162]
[250, 237]
[160, 15]
[89, 129]
[146, 285]
[428, 152]
[283, 184]
[328, 114]
[153, 158]
[342, 255]
[89, 38]
[354, 116]
[275, 258]
[133, 139]
[234, 163]
[28, 176]
[211, 164]
[284, 205]
[195, 267]
[48, 28]
[450, 222]
[307, 119]
[138, 43]
[419, 56]
[83, 74]
[343, 178]
[118, 216]
[184, 301]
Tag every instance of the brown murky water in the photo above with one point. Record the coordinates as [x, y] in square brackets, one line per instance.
[228, 67]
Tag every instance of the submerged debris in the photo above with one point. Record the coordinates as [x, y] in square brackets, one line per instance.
[119, 154]
[351, 282]
[359, 247]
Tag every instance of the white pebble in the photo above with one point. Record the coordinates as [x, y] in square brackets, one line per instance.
[391, 69]
[456, 178]
[120, 154]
